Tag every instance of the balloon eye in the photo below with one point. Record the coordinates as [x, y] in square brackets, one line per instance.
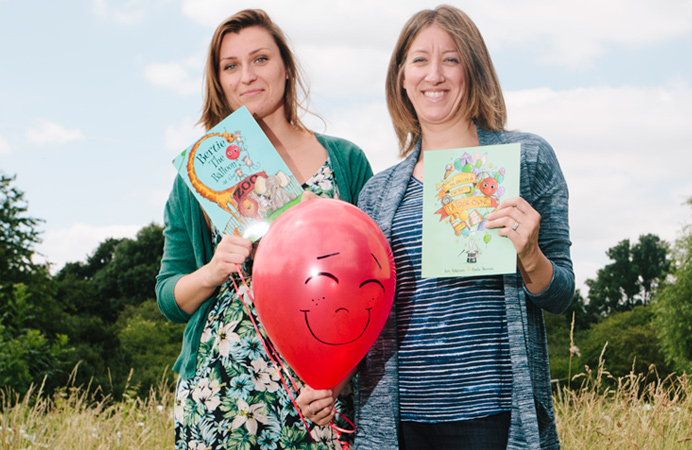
[325, 274]
[372, 281]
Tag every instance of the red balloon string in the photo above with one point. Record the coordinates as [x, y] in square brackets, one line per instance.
[272, 356]
[339, 430]
[268, 346]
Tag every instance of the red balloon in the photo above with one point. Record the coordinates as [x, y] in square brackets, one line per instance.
[232, 152]
[323, 282]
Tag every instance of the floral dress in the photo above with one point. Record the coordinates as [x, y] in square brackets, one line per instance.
[236, 399]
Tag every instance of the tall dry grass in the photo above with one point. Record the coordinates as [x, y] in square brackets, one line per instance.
[76, 418]
[636, 414]
[633, 412]
[638, 411]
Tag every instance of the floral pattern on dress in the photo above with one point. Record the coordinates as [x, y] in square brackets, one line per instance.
[322, 182]
[236, 399]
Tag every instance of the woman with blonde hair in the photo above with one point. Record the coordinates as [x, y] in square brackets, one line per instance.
[229, 393]
[462, 363]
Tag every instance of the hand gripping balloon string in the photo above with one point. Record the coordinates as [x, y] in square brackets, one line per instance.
[269, 353]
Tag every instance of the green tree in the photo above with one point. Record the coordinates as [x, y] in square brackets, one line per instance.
[673, 305]
[18, 236]
[631, 279]
[630, 343]
[86, 318]
[99, 315]
[651, 258]
[103, 318]
[149, 344]
[130, 277]
[31, 344]
[78, 288]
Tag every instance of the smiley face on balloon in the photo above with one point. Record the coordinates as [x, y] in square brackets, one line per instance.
[323, 281]
[339, 313]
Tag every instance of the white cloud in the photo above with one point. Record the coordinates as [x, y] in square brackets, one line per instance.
[185, 77]
[358, 23]
[625, 155]
[129, 12]
[209, 12]
[47, 132]
[573, 33]
[344, 71]
[4, 146]
[181, 135]
[570, 33]
[368, 126]
[79, 241]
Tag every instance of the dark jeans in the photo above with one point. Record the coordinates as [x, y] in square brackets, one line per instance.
[487, 433]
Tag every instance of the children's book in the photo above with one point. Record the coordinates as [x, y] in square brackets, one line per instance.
[238, 177]
[460, 187]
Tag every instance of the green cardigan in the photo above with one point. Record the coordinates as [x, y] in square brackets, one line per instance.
[188, 243]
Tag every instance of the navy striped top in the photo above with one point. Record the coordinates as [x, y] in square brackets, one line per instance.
[453, 358]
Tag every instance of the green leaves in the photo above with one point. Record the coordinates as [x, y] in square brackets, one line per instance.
[673, 304]
[632, 278]
[100, 314]
[18, 233]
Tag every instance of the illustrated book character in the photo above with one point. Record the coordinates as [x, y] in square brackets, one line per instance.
[461, 187]
[238, 177]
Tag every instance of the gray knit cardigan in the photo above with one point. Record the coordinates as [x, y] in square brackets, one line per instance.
[533, 422]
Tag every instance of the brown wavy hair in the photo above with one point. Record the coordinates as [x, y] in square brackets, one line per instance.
[215, 107]
[483, 100]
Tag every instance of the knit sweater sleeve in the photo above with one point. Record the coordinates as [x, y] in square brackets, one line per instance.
[546, 190]
[187, 247]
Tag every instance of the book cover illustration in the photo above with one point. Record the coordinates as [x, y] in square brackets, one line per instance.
[462, 186]
[238, 176]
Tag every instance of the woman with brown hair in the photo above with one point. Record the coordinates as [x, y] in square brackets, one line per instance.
[229, 394]
[462, 362]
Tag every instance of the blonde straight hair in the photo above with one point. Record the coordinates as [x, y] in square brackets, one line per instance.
[483, 100]
[215, 107]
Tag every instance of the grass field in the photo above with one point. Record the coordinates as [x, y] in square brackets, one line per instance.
[633, 412]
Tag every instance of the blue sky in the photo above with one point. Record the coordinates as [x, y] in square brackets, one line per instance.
[97, 97]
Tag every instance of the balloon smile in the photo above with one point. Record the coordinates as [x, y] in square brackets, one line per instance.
[307, 322]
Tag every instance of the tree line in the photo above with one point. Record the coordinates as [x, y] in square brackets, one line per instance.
[636, 316]
[93, 323]
[96, 323]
